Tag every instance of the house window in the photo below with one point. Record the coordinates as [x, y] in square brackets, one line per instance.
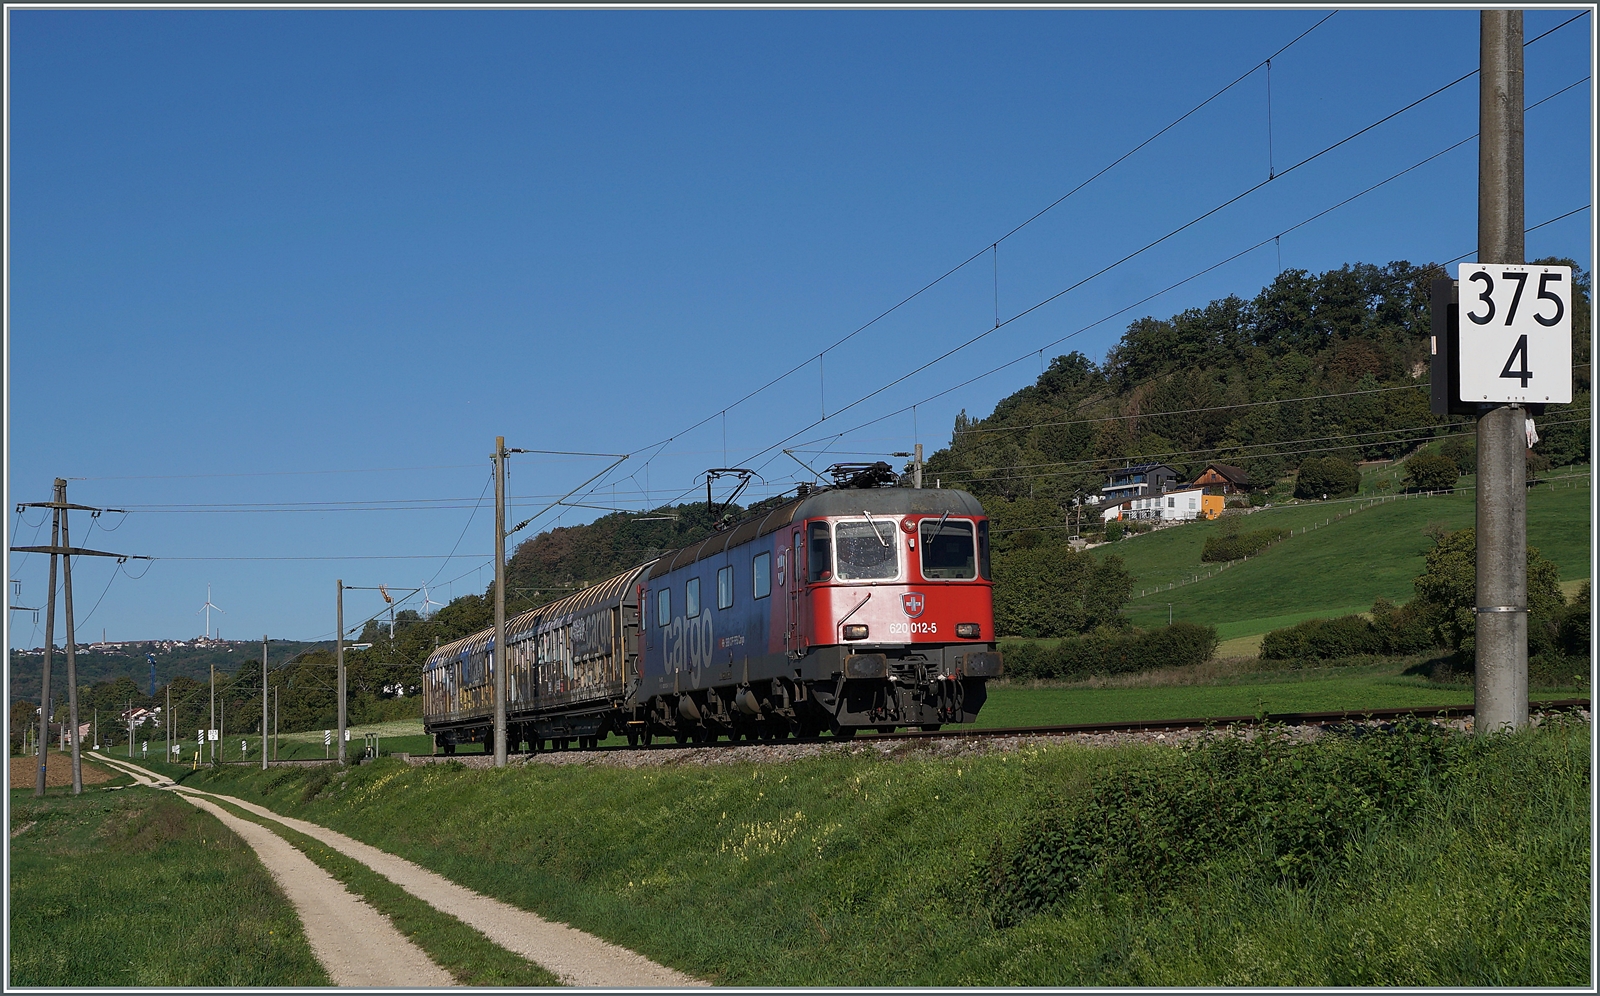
[761, 575]
[725, 587]
[1172, 503]
[664, 607]
[691, 598]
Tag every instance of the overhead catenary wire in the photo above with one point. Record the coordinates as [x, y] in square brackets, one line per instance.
[1129, 256]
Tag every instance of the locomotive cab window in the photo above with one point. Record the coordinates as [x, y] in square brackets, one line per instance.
[691, 598]
[664, 608]
[948, 550]
[761, 575]
[821, 551]
[983, 550]
[867, 550]
[725, 588]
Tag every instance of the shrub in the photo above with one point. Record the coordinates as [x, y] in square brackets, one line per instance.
[1257, 499]
[1431, 472]
[1108, 653]
[1573, 631]
[1326, 477]
[1322, 639]
[1113, 530]
[1267, 809]
[1463, 452]
[1231, 544]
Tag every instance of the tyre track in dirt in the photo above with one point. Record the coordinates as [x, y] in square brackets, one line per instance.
[576, 957]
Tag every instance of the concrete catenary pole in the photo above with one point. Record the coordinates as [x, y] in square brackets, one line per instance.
[263, 702]
[210, 743]
[1502, 522]
[72, 651]
[499, 660]
[339, 660]
[168, 715]
[49, 637]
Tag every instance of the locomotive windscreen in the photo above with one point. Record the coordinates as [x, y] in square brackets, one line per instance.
[867, 551]
[948, 550]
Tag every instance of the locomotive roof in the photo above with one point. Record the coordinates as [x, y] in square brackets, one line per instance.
[606, 592]
[833, 501]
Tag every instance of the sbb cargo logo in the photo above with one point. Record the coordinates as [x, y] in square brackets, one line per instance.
[913, 603]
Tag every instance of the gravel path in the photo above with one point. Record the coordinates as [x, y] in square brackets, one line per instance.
[356, 944]
[577, 958]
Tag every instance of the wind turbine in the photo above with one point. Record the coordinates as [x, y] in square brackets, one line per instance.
[206, 608]
[426, 601]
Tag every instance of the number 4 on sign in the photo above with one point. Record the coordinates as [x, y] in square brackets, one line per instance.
[1520, 350]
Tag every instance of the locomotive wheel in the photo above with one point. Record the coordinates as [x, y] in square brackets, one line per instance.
[930, 727]
[885, 729]
[682, 738]
[449, 749]
[633, 739]
[845, 732]
[646, 737]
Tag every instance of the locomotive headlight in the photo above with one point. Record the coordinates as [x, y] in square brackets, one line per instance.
[969, 631]
[855, 631]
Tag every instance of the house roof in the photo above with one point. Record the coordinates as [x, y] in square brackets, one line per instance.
[1234, 475]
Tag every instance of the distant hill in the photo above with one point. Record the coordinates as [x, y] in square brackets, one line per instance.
[97, 663]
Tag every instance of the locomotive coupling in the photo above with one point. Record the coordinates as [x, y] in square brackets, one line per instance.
[866, 666]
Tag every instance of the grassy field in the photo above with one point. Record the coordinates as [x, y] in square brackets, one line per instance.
[1331, 569]
[852, 869]
[137, 888]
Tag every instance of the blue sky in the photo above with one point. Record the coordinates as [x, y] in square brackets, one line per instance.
[292, 257]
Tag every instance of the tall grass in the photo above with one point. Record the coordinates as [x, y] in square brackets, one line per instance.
[864, 868]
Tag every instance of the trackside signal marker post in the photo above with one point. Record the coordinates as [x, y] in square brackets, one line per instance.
[1502, 349]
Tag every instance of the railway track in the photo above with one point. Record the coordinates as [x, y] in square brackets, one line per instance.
[1129, 726]
[1171, 725]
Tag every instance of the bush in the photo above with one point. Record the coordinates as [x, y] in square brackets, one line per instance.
[1463, 452]
[1266, 809]
[1431, 472]
[1107, 653]
[1326, 477]
[1231, 544]
[1447, 594]
[1394, 631]
[1113, 530]
[1257, 499]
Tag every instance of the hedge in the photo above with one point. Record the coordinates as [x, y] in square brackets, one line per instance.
[1390, 631]
[1111, 653]
[1237, 546]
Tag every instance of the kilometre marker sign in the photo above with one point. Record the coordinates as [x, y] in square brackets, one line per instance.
[1516, 333]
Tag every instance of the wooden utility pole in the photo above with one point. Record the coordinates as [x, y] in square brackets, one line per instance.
[169, 722]
[212, 729]
[72, 654]
[499, 652]
[1501, 674]
[274, 722]
[263, 702]
[339, 660]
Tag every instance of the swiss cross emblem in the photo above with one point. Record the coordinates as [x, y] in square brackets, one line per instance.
[913, 602]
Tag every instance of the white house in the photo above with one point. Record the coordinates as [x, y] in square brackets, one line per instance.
[1185, 505]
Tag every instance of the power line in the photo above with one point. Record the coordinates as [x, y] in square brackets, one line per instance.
[1107, 268]
[661, 444]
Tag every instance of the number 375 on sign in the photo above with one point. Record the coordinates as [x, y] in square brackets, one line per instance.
[1516, 332]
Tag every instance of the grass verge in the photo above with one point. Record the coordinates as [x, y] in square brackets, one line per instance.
[471, 958]
[137, 888]
[854, 868]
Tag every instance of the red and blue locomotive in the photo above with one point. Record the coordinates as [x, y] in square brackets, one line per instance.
[842, 609]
